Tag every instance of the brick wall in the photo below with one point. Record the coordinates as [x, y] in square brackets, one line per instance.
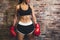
[47, 13]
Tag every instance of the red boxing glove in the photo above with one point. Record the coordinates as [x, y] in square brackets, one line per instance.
[37, 30]
[12, 31]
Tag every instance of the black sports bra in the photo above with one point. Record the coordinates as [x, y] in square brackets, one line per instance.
[21, 12]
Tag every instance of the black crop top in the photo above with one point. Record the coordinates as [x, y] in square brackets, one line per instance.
[21, 12]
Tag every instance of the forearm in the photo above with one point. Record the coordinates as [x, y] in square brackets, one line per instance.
[34, 19]
[14, 21]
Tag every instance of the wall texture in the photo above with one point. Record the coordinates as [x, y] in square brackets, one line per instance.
[47, 13]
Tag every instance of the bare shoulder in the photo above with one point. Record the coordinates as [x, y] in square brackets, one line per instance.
[17, 6]
[31, 6]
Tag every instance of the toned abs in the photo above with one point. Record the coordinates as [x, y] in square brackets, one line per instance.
[25, 19]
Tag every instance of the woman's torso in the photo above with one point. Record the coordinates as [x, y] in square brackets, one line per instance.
[25, 19]
[25, 13]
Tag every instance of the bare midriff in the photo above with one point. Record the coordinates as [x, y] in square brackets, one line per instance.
[25, 19]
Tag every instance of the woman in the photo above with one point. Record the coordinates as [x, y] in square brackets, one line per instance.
[25, 24]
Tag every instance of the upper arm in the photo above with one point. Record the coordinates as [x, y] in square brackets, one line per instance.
[17, 7]
[33, 14]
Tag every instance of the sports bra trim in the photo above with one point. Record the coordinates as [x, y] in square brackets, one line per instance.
[22, 12]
